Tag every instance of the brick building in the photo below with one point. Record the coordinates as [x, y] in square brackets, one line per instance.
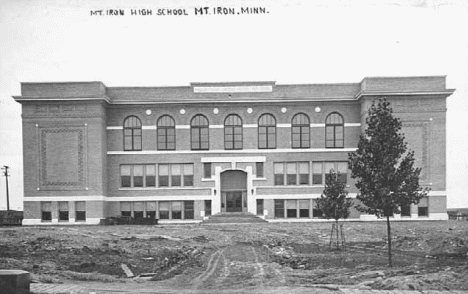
[181, 154]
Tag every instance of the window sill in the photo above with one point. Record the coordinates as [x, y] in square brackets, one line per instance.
[207, 180]
[162, 188]
[260, 179]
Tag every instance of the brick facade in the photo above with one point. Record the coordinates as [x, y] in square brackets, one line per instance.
[75, 156]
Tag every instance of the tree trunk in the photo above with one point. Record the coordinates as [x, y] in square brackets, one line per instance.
[389, 235]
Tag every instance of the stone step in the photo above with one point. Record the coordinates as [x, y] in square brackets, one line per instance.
[230, 218]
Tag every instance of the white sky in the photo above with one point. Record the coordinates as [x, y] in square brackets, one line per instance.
[296, 42]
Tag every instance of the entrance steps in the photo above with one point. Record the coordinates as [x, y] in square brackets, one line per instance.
[233, 218]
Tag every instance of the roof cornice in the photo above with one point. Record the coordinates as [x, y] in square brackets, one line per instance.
[20, 99]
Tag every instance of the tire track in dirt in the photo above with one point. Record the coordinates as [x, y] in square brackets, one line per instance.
[260, 271]
[210, 268]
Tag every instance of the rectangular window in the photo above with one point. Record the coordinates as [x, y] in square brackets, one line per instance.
[297, 173]
[423, 211]
[138, 176]
[151, 210]
[175, 175]
[164, 210]
[316, 212]
[328, 167]
[259, 169]
[259, 206]
[176, 209]
[207, 170]
[46, 211]
[304, 206]
[317, 173]
[126, 209]
[80, 211]
[138, 208]
[291, 173]
[291, 208]
[188, 175]
[207, 207]
[303, 173]
[279, 173]
[423, 207]
[125, 176]
[279, 208]
[150, 176]
[406, 210]
[189, 209]
[342, 168]
[163, 175]
[63, 211]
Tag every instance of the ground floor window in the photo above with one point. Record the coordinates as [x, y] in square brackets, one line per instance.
[80, 211]
[46, 211]
[317, 213]
[291, 173]
[405, 210]
[126, 209]
[321, 169]
[63, 211]
[259, 206]
[189, 210]
[279, 208]
[292, 208]
[207, 207]
[151, 210]
[423, 207]
[138, 209]
[158, 209]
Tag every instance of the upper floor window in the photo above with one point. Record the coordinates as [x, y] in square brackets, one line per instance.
[132, 133]
[199, 132]
[334, 131]
[267, 132]
[300, 131]
[166, 133]
[233, 132]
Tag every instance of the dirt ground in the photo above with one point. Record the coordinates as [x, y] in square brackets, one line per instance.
[242, 257]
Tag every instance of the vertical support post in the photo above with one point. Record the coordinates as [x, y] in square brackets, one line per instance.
[7, 190]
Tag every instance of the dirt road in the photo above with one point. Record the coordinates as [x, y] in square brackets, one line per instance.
[240, 258]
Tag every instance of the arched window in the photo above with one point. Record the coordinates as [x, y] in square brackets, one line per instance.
[334, 131]
[233, 132]
[166, 133]
[267, 132]
[300, 131]
[200, 133]
[132, 134]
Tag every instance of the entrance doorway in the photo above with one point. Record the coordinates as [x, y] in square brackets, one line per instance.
[234, 201]
[233, 191]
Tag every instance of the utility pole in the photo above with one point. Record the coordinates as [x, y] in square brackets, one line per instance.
[6, 178]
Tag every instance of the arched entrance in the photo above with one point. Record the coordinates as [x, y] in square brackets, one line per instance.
[233, 191]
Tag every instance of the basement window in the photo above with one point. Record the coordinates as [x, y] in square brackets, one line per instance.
[80, 211]
[405, 210]
[189, 212]
[46, 211]
[63, 211]
[423, 207]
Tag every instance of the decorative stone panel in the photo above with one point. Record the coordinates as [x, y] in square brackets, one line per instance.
[62, 158]
[417, 134]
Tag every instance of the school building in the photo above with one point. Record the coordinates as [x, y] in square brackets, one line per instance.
[183, 154]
